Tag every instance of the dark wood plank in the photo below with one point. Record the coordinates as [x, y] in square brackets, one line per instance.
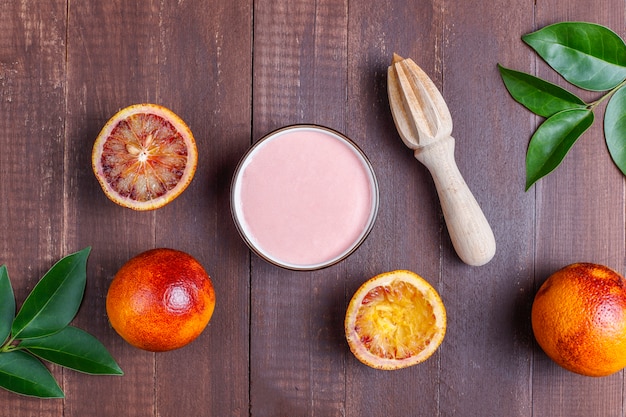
[489, 347]
[573, 226]
[205, 74]
[296, 327]
[235, 71]
[32, 105]
[407, 234]
[112, 59]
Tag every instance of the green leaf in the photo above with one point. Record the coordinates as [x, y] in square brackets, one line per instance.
[553, 140]
[55, 300]
[539, 96]
[74, 349]
[587, 55]
[615, 128]
[25, 374]
[7, 304]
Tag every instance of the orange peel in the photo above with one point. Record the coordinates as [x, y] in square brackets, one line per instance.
[144, 157]
[395, 320]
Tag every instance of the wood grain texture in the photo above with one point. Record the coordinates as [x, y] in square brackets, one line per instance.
[407, 234]
[234, 71]
[488, 348]
[32, 81]
[209, 50]
[572, 226]
[296, 344]
[108, 68]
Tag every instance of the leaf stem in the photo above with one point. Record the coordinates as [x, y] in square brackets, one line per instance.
[10, 345]
[608, 95]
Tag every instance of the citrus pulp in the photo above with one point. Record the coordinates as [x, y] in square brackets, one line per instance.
[395, 320]
[144, 157]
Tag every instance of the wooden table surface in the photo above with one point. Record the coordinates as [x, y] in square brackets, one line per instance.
[235, 70]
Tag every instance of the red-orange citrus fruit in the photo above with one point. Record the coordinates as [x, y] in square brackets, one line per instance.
[144, 157]
[395, 320]
[579, 319]
[160, 300]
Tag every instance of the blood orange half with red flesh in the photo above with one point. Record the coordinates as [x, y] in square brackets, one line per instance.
[144, 157]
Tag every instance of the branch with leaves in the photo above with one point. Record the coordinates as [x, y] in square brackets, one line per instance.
[41, 331]
[590, 57]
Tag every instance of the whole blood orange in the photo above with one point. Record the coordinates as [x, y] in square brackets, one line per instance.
[160, 300]
[395, 320]
[579, 319]
[144, 157]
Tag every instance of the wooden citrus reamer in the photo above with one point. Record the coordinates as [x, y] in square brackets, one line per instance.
[425, 125]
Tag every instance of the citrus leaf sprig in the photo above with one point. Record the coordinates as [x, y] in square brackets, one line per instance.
[41, 331]
[590, 57]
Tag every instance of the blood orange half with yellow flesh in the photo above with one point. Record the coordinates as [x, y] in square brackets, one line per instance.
[395, 320]
[144, 157]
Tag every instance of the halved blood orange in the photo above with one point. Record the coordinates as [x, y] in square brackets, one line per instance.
[144, 157]
[395, 320]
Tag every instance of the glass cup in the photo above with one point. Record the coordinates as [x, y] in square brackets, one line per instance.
[304, 197]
